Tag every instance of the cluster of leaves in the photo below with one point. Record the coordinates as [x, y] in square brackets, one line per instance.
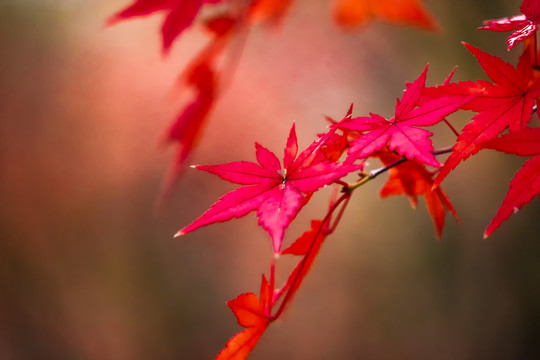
[278, 191]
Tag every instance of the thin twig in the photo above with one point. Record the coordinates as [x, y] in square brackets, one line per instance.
[302, 264]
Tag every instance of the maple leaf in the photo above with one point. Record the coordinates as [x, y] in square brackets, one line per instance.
[525, 24]
[405, 12]
[180, 15]
[412, 179]
[307, 245]
[401, 133]
[276, 192]
[252, 313]
[526, 183]
[508, 102]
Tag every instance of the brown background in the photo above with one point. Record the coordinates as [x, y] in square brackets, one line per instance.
[89, 271]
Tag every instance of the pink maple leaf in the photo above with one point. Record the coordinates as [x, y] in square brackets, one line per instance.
[401, 133]
[525, 24]
[277, 193]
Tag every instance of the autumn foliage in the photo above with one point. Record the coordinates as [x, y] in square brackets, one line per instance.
[278, 190]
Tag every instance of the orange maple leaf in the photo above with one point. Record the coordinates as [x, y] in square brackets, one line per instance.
[412, 179]
[351, 13]
[252, 313]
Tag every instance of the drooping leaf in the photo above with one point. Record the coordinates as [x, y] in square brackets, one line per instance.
[187, 127]
[277, 193]
[401, 133]
[526, 183]
[251, 312]
[412, 179]
[508, 102]
[525, 25]
[305, 241]
[350, 13]
[307, 245]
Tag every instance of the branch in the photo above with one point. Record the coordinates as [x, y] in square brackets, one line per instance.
[326, 230]
[365, 178]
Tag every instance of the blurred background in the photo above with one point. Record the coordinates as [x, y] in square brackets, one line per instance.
[88, 270]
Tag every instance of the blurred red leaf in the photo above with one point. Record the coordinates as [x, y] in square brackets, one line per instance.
[350, 13]
[180, 15]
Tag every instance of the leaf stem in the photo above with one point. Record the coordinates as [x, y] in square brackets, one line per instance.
[451, 127]
[322, 229]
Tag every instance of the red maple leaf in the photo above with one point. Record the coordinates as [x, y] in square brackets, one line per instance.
[307, 245]
[404, 12]
[526, 183]
[508, 102]
[252, 313]
[525, 24]
[412, 179]
[180, 15]
[401, 133]
[276, 192]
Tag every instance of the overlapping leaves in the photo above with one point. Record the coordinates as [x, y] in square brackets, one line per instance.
[401, 133]
[508, 102]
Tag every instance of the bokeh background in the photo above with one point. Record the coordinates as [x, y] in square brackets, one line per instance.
[88, 269]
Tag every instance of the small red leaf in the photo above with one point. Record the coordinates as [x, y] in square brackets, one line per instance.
[250, 312]
[523, 188]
